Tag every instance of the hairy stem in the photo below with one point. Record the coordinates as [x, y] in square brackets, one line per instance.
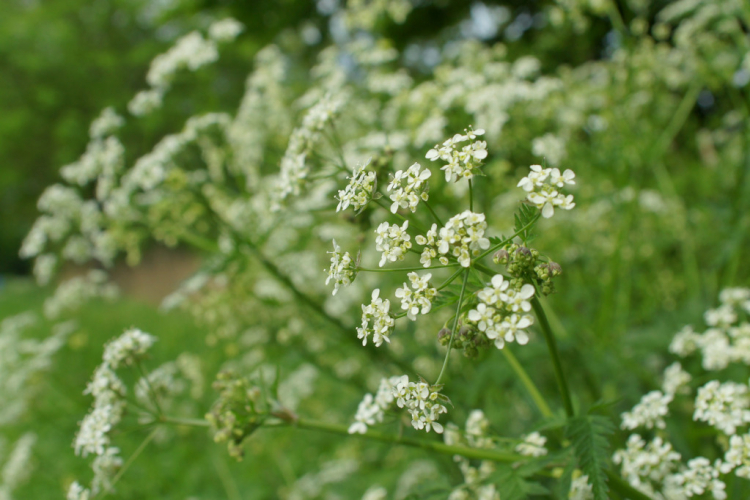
[555, 355]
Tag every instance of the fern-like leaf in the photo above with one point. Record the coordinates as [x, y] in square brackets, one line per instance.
[524, 216]
[588, 434]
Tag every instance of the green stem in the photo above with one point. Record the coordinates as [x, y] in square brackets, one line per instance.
[455, 325]
[144, 375]
[449, 280]
[132, 458]
[436, 446]
[434, 215]
[471, 196]
[555, 355]
[404, 269]
[193, 422]
[528, 383]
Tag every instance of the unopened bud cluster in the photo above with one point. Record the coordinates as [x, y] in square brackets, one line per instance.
[239, 411]
[520, 262]
[468, 338]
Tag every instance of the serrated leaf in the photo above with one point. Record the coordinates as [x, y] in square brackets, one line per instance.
[496, 240]
[512, 486]
[563, 486]
[588, 434]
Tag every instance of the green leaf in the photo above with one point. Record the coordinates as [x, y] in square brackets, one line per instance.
[513, 486]
[524, 217]
[588, 434]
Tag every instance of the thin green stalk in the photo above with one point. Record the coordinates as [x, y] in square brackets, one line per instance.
[528, 383]
[449, 280]
[144, 374]
[455, 325]
[436, 446]
[193, 422]
[555, 355]
[434, 215]
[471, 196]
[132, 458]
[404, 269]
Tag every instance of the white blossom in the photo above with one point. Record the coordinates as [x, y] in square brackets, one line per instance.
[127, 348]
[423, 403]
[532, 445]
[409, 187]
[225, 30]
[376, 320]
[393, 241]
[420, 298]
[342, 270]
[649, 412]
[724, 406]
[359, 191]
[542, 186]
[461, 160]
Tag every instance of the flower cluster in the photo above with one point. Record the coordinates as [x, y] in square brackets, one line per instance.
[359, 191]
[642, 463]
[500, 314]
[725, 406]
[420, 299]
[108, 408]
[461, 162]
[649, 412]
[532, 445]
[462, 237]
[343, 270]
[475, 477]
[542, 186]
[393, 241]
[376, 320]
[371, 410]
[520, 261]
[423, 402]
[738, 456]
[294, 168]
[724, 341]
[409, 187]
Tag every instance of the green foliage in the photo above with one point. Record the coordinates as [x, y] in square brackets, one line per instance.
[590, 436]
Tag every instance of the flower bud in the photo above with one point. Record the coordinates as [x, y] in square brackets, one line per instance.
[501, 256]
[554, 268]
[523, 251]
[444, 336]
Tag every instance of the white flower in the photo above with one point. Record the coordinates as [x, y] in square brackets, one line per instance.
[371, 409]
[699, 477]
[409, 188]
[542, 187]
[512, 329]
[421, 400]
[519, 300]
[393, 241]
[462, 237]
[494, 294]
[342, 269]
[93, 435]
[580, 489]
[376, 320]
[649, 412]
[532, 445]
[461, 162]
[724, 406]
[225, 30]
[685, 342]
[77, 492]
[127, 348]
[675, 379]
[643, 462]
[359, 191]
[418, 300]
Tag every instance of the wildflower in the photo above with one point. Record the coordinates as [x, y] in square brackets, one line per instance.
[641, 463]
[725, 406]
[649, 412]
[461, 162]
[77, 492]
[225, 30]
[675, 379]
[462, 237]
[342, 270]
[127, 348]
[409, 187]
[580, 489]
[494, 294]
[393, 241]
[376, 320]
[371, 409]
[685, 342]
[699, 477]
[512, 329]
[532, 445]
[421, 400]
[429, 242]
[542, 188]
[419, 299]
[518, 300]
[93, 435]
[359, 191]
